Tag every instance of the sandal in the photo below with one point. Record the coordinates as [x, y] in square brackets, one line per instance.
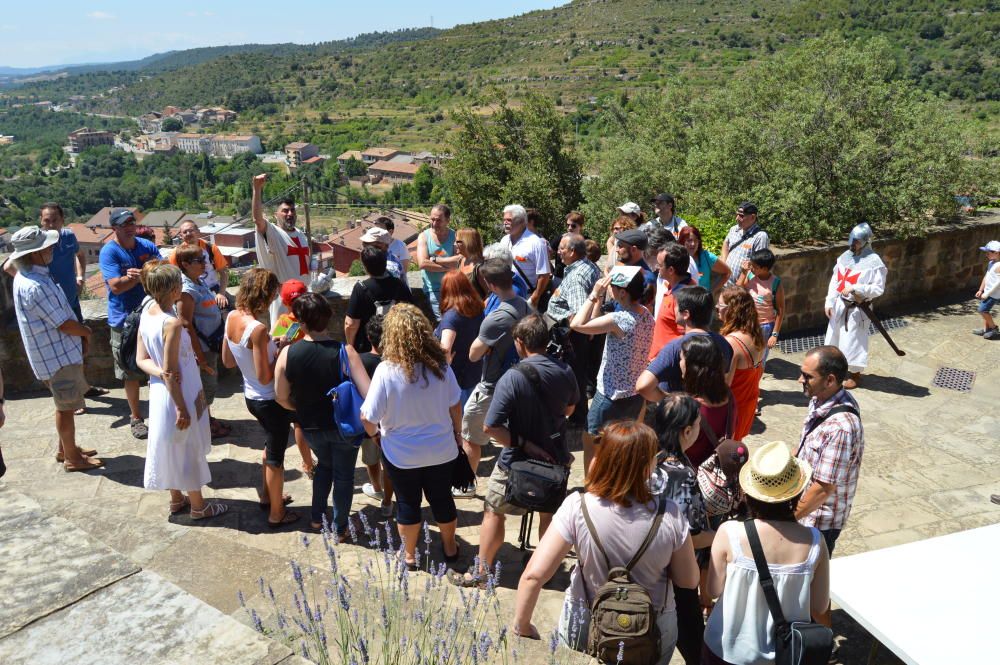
[210, 510]
[412, 566]
[96, 391]
[288, 518]
[86, 453]
[454, 557]
[218, 428]
[88, 464]
[179, 506]
[310, 471]
[285, 500]
[465, 580]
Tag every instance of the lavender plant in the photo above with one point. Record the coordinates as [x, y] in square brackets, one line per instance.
[389, 616]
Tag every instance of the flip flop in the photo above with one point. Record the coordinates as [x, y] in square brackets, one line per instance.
[86, 453]
[288, 518]
[89, 464]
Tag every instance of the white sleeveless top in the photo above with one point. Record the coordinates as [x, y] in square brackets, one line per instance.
[252, 388]
[740, 628]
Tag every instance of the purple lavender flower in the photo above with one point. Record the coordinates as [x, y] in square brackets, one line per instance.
[243, 601]
[621, 652]
[305, 541]
[257, 624]
[270, 593]
[343, 597]
[352, 531]
[553, 642]
[260, 582]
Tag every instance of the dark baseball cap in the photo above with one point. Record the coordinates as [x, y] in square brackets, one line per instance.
[747, 208]
[120, 216]
[662, 197]
[633, 237]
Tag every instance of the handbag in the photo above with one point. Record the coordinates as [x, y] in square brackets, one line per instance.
[462, 475]
[347, 404]
[213, 341]
[720, 495]
[798, 642]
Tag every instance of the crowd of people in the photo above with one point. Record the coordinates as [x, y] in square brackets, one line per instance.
[655, 358]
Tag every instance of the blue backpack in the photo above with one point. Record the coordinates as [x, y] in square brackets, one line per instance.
[347, 404]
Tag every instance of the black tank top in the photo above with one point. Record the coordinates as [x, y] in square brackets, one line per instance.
[312, 369]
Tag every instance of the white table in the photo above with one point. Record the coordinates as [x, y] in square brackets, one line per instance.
[932, 602]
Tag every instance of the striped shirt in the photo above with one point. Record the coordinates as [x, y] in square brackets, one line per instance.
[834, 450]
[41, 307]
[741, 245]
[577, 282]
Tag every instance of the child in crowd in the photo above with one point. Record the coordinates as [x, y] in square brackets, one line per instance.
[768, 294]
[989, 291]
[287, 331]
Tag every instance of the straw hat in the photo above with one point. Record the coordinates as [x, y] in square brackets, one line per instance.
[773, 475]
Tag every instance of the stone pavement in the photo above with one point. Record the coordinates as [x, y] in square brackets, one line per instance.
[930, 465]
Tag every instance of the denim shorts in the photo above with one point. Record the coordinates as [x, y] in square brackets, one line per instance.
[986, 306]
[603, 411]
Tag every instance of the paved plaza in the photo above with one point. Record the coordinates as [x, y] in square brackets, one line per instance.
[931, 461]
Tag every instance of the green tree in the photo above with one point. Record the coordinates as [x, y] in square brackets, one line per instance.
[354, 168]
[423, 183]
[164, 200]
[516, 155]
[171, 125]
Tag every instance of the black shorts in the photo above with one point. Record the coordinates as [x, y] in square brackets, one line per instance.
[275, 419]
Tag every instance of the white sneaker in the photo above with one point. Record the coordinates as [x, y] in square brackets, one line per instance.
[464, 493]
[369, 491]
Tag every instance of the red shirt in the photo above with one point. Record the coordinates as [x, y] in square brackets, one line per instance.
[667, 329]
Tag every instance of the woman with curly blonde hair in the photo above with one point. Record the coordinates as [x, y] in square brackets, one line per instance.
[742, 330]
[413, 402]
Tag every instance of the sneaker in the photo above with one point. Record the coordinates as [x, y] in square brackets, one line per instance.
[139, 429]
[369, 491]
[980, 331]
[464, 492]
[992, 334]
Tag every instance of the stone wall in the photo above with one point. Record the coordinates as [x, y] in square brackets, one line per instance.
[946, 261]
[99, 365]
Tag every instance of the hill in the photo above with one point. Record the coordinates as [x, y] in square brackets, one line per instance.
[400, 86]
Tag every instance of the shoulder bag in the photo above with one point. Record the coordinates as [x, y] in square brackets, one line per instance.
[534, 484]
[347, 403]
[798, 642]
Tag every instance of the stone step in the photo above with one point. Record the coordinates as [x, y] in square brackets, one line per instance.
[71, 598]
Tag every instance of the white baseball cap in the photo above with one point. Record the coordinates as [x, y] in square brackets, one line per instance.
[376, 234]
[991, 246]
[630, 208]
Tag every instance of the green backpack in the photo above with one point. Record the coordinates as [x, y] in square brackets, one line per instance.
[622, 616]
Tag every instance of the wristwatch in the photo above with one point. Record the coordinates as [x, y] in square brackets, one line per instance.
[434, 259]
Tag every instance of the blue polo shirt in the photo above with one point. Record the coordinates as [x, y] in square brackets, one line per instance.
[115, 261]
[666, 366]
[63, 266]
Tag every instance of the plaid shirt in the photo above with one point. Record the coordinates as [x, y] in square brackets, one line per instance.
[738, 251]
[41, 308]
[577, 282]
[834, 451]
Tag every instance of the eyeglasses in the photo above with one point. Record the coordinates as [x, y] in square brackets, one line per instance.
[570, 225]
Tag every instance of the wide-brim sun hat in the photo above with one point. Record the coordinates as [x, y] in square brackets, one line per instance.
[773, 474]
[32, 239]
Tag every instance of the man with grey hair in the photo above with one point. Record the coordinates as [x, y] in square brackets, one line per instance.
[578, 280]
[530, 252]
[50, 332]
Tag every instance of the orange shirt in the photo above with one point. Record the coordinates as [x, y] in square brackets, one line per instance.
[667, 329]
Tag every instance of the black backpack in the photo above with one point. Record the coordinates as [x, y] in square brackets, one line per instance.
[622, 616]
[125, 356]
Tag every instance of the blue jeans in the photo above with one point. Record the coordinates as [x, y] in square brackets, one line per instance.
[766, 329]
[603, 411]
[335, 462]
[433, 301]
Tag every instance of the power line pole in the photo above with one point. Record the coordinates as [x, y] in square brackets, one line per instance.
[305, 205]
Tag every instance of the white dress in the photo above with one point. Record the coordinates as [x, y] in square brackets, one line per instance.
[867, 273]
[175, 459]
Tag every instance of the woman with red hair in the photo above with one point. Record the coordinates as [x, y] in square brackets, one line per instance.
[712, 273]
[461, 316]
[742, 331]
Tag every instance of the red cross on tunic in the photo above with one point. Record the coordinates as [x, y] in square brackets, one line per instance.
[301, 252]
[846, 277]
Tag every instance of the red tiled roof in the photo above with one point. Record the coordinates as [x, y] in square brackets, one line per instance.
[394, 167]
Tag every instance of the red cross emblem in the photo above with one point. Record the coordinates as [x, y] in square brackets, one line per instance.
[301, 252]
[845, 278]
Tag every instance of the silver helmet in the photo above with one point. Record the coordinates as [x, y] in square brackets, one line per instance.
[861, 232]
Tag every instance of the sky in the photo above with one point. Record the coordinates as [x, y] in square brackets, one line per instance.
[58, 32]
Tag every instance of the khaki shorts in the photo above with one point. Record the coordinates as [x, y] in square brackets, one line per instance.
[369, 451]
[475, 416]
[496, 489]
[68, 386]
[121, 373]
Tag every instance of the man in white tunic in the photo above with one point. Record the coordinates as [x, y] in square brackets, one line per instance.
[281, 248]
[859, 276]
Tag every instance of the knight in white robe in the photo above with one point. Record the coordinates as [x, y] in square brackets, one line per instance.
[282, 249]
[858, 276]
